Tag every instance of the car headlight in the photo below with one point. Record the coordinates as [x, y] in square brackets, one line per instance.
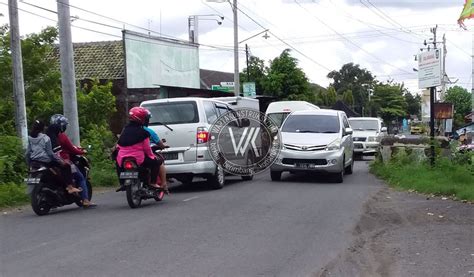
[335, 145]
[372, 139]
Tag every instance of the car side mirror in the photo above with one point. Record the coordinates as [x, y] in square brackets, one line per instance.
[348, 131]
[383, 130]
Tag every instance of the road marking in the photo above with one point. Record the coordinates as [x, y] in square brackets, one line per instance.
[192, 198]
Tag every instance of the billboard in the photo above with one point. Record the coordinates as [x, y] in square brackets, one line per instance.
[429, 68]
[156, 61]
[443, 110]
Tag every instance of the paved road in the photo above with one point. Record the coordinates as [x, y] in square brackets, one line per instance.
[288, 228]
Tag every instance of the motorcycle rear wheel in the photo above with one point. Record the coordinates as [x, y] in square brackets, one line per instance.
[134, 200]
[38, 203]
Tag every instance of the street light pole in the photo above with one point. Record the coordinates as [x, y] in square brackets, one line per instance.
[236, 51]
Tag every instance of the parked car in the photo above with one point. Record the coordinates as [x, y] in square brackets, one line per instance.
[185, 124]
[367, 133]
[278, 111]
[317, 140]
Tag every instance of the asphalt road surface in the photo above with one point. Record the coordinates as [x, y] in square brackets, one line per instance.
[255, 228]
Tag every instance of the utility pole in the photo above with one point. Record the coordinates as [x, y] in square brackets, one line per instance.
[236, 51]
[247, 58]
[18, 82]
[68, 80]
[432, 113]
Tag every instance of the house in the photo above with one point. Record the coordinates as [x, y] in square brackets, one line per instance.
[105, 61]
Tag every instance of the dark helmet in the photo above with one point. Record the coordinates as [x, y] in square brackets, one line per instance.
[59, 120]
[139, 115]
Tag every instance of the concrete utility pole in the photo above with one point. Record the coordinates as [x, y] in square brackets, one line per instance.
[236, 51]
[68, 80]
[247, 58]
[432, 112]
[18, 83]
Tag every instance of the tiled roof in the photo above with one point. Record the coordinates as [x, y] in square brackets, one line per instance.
[211, 77]
[101, 60]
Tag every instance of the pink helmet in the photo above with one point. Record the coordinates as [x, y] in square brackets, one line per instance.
[139, 115]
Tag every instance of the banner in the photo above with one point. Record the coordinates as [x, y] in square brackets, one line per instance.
[467, 12]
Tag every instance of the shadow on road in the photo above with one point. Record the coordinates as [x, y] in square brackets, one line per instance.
[200, 185]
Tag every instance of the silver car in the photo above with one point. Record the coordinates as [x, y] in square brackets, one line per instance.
[185, 124]
[317, 140]
[367, 133]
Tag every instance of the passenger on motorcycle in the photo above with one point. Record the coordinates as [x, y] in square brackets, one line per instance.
[62, 143]
[39, 150]
[135, 142]
[155, 140]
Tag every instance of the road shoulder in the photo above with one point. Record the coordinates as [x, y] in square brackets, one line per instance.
[406, 234]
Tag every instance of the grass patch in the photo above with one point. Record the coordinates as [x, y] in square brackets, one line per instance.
[103, 174]
[12, 195]
[445, 178]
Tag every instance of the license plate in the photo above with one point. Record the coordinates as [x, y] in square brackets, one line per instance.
[128, 175]
[306, 165]
[170, 156]
[32, 180]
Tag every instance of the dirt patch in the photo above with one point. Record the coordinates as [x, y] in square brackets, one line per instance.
[404, 234]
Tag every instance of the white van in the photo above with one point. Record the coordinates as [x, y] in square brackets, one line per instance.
[278, 111]
[238, 102]
[184, 123]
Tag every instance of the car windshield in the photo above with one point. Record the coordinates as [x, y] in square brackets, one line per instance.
[173, 113]
[312, 124]
[278, 118]
[364, 125]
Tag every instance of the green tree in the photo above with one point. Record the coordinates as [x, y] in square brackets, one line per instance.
[286, 81]
[331, 96]
[351, 77]
[413, 104]
[348, 98]
[389, 101]
[256, 73]
[462, 101]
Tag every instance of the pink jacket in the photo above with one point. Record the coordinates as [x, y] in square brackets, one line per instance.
[138, 151]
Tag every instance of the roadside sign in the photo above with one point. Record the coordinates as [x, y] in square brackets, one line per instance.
[249, 89]
[221, 88]
[227, 84]
[429, 68]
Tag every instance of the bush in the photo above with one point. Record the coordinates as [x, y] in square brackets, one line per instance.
[103, 174]
[12, 195]
[12, 160]
[448, 177]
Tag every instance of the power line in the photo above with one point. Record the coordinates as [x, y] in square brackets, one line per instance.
[220, 48]
[286, 43]
[348, 40]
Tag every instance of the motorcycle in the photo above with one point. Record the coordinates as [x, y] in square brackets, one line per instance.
[45, 187]
[135, 181]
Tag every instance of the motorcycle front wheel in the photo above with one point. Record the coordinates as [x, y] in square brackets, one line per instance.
[133, 197]
[38, 201]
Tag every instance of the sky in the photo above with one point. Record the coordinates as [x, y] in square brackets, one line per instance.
[382, 36]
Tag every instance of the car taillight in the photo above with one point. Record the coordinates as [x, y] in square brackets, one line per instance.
[202, 135]
[128, 165]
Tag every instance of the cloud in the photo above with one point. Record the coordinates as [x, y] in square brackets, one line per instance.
[411, 4]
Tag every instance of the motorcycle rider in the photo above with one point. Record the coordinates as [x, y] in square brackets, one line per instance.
[40, 150]
[135, 142]
[62, 143]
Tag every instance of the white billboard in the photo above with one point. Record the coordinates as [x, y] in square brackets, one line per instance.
[154, 61]
[429, 68]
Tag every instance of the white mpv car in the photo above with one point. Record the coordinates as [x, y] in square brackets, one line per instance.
[367, 133]
[316, 140]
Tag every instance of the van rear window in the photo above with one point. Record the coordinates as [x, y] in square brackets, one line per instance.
[173, 113]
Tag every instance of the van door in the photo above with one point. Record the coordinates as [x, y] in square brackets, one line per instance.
[176, 122]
